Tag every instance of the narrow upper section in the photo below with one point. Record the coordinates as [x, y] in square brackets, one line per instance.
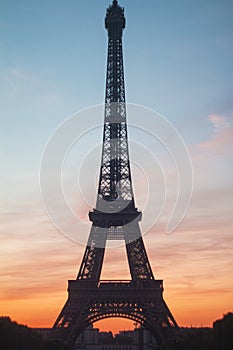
[115, 20]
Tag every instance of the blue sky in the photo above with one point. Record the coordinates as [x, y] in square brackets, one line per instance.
[178, 61]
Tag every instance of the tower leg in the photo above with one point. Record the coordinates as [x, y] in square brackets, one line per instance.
[92, 262]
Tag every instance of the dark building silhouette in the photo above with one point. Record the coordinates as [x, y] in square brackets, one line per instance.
[92, 339]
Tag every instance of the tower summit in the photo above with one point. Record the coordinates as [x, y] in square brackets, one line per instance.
[115, 20]
[115, 217]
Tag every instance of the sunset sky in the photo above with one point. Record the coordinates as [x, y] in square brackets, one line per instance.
[178, 58]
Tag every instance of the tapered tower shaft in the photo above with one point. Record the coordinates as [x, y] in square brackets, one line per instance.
[115, 176]
[115, 216]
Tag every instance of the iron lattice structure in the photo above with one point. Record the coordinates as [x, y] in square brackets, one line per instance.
[115, 217]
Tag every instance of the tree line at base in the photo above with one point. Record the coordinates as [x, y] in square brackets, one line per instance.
[17, 337]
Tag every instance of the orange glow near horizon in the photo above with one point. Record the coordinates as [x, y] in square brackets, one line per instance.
[115, 325]
[197, 275]
[197, 283]
[189, 311]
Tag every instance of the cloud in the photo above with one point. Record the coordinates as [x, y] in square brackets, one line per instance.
[18, 73]
[16, 79]
[221, 140]
[220, 122]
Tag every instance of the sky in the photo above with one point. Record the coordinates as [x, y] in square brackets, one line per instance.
[178, 62]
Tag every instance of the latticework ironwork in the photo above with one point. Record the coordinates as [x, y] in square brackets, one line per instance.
[115, 217]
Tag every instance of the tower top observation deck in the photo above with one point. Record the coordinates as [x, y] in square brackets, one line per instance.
[115, 20]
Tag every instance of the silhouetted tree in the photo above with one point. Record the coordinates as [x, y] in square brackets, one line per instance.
[17, 337]
[223, 332]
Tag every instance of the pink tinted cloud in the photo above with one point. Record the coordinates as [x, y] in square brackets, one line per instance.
[221, 141]
[220, 122]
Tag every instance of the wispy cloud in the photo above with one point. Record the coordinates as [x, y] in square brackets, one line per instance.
[15, 79]
[221, 140]
[220, 122]
[19, 73]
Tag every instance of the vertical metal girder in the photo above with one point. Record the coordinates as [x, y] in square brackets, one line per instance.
[139, 264]
[92, 262]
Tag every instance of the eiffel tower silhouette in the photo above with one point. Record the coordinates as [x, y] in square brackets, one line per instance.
[115, 218]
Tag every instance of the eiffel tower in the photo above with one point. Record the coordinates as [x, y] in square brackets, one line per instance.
[115, 218]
